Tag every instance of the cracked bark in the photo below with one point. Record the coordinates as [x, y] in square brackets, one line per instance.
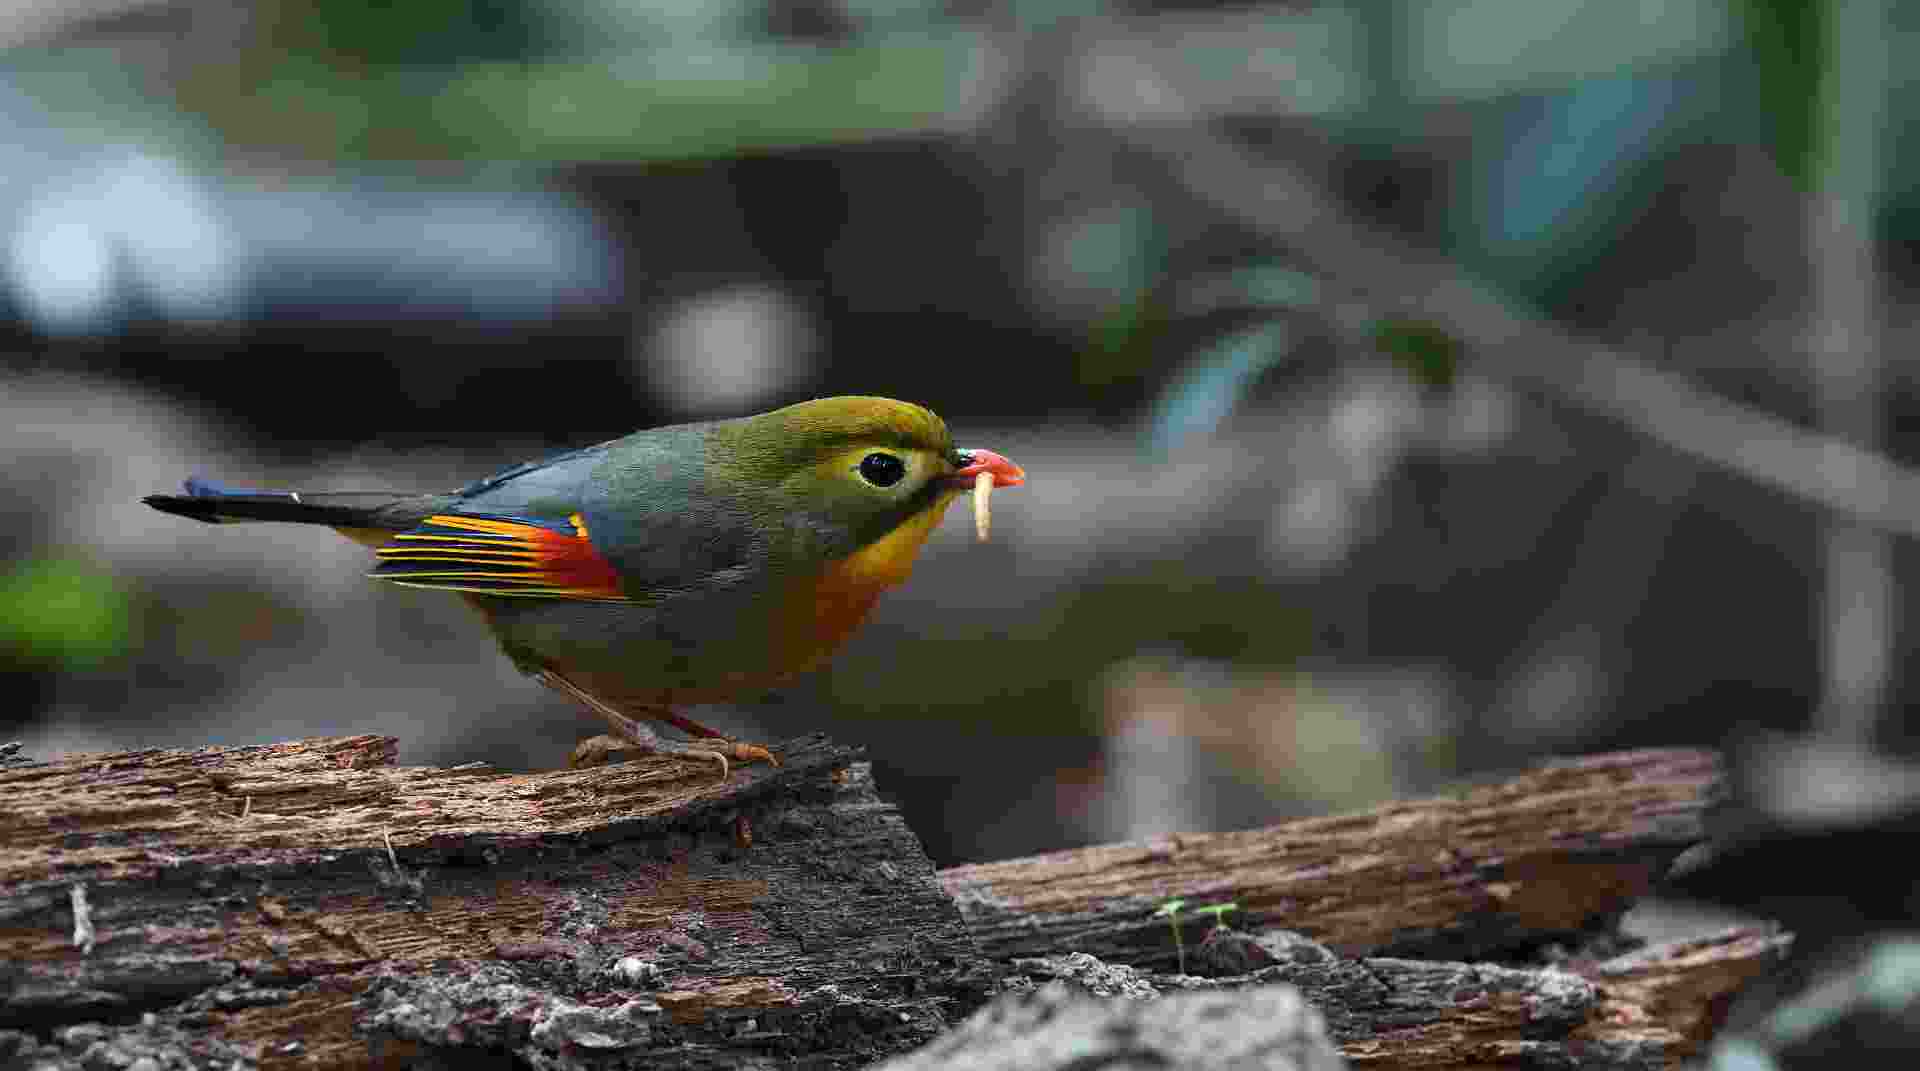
[311, 904]
[1547, 855]
[1306, 1008]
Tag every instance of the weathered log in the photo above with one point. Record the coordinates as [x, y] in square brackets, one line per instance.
[310, 904]
[1539, 857]
[1645, 1011]
[1676, 995]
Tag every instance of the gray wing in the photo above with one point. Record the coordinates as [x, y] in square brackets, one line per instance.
[647, 505]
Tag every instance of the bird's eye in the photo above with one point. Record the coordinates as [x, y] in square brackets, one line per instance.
[882, 470]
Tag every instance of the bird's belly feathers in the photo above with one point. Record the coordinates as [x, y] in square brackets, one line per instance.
[708, 648]
[682, 650]
[711, 645]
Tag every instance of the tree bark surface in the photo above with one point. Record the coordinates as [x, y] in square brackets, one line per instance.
[311, 904]
[1538, 857]
[1648, 1010]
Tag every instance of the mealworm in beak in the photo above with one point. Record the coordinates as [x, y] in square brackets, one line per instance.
[982, 490]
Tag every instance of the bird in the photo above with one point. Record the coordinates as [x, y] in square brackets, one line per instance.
[685, 564]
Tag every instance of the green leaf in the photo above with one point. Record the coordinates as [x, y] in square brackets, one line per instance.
[63, 612]
[1788, 40]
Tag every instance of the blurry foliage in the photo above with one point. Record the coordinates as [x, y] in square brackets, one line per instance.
[1548, 126]
[1232, 327]
[1263, 284]
[1351, 758]
[1113, 254]
[715, 101]
[1204, 391]
[1114, 261]
[1425, 350]
[64, 613]
[1467, 49]
[676, 109]
[376, 33]
[223, 621]
[1123, 344]
[92, 97]
[1788, 39]
[488, 80]
[1567, 168]
[1075, 638]
[1252, 620]
[353, 79]
[1577, 109]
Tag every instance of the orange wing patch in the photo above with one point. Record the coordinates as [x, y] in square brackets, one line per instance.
[499, 554]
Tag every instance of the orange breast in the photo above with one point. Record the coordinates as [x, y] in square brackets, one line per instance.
[823, 614]
[821, 611]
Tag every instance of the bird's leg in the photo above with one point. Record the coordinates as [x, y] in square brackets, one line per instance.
[625, 729]
[688, 725]
[639, 735]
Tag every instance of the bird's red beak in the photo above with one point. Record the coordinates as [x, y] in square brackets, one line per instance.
[974, 462]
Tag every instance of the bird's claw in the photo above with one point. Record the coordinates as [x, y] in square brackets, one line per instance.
[745, 752]
[726, 771]
[602, 749]
[737, 750]
[596, 751]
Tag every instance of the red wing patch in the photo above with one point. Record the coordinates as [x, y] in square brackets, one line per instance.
[498, 554]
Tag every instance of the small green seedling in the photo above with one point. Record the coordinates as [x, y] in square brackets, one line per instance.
[1171, 912]
[1219, 913]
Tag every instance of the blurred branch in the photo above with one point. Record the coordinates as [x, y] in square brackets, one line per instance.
[1844, 341]
[1260, 61]
[1607, 585]
[31, 22]
[714, 85]
[1386, 274]
[1487, 49]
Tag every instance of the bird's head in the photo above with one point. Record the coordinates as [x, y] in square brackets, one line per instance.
[845, 473]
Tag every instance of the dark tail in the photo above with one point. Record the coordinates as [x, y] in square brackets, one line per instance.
[210, 502]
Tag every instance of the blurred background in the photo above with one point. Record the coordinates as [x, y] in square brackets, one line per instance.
[1408, 391]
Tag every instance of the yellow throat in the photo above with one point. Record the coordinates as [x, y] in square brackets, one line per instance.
[824, 610]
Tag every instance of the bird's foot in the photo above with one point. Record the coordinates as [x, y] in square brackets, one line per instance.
[738, 750]
[630, 734]
[714, 738]
[603, 749]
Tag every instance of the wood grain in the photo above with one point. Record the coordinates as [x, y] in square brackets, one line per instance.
[1546, 853]
[315, 905]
